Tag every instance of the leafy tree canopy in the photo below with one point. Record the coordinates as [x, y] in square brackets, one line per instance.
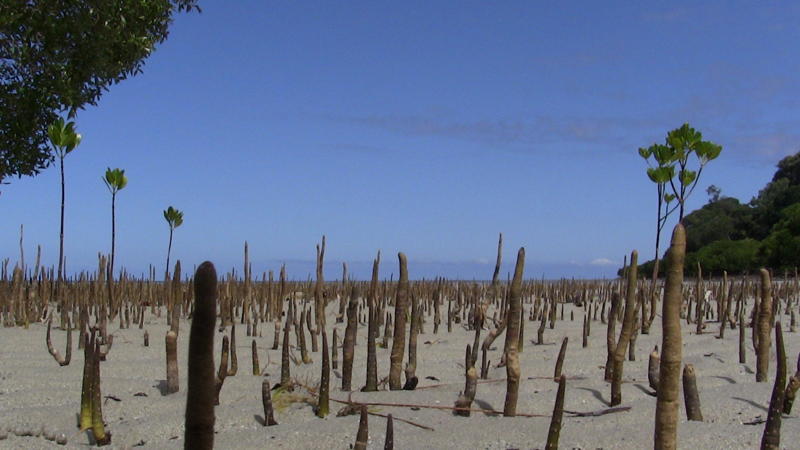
[59, 55]
[725, 255]
[724, 219]
[782, 191]
[781, 249]
[789, 168]
[726, 234]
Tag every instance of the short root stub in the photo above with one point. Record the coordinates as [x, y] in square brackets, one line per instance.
[653, 368]
[691, 397]
[464, 402]
[362, 436]
[266, 400]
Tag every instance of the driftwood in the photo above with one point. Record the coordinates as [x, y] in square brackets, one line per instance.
[449, 408]
[356, 405]
[602, 412]
[493, 380]
[353, 408]
[757, 421]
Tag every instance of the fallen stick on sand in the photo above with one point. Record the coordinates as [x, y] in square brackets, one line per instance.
[602, 412]
[495, 380]
[450, 408]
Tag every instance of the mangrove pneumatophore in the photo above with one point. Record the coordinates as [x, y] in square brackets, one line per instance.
[512, 337]
[666, 423]
[199, 427]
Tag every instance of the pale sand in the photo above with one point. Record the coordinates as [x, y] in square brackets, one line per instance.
[36, 392]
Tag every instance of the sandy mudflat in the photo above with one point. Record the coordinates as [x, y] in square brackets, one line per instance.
[35, 392]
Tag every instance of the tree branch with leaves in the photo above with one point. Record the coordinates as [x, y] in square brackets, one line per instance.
[670, 168]
[115, 181]
[63, 140]
[174, 219]
[675, 178]
[59, 56]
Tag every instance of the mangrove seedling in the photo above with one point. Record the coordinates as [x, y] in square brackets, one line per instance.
[64, 139]
[174, 219]
[671, 160]
[115, 180]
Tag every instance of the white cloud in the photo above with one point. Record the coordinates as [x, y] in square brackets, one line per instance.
[602, 262]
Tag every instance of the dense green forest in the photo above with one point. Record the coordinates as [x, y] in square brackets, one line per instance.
[726, 234]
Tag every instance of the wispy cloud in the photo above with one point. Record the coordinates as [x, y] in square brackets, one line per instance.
[735, 108]
[482, 130]
[527, 131]
[602, 262]
[775, 144]
[739, 95]
[743, 137]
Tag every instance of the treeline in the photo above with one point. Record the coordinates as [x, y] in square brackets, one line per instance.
[726, 234]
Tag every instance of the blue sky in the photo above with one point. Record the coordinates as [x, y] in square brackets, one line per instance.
[423, 127]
